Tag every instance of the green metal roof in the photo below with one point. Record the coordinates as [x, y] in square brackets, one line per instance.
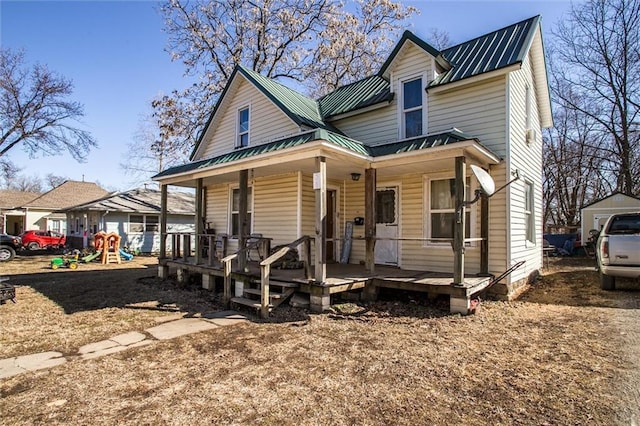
[490, 52]
[419, 143]
[301, 109]
[354, 96]
[415, 144]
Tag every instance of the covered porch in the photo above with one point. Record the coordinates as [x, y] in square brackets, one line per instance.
[301, 216]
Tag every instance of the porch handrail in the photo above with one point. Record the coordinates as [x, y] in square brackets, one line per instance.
[265, 269]
[226, 262]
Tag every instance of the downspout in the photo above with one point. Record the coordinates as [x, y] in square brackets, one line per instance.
[104, 222]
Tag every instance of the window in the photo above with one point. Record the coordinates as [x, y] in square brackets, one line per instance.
[412, 108]
[143, 223]
[235, 211]
[136, 223]
[55, 225]
[152, 224]
[386, 206]
[529, 213]
[243, 128]
[442, 209]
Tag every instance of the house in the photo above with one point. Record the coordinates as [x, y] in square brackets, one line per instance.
[12, 217]
[595, 214]
[134, 215]
[377, 172]
[40, 212]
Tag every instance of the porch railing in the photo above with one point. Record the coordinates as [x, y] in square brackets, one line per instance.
[265, 269]
[261, 244]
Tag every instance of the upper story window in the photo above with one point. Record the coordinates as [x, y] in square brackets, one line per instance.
[412, 108]
[243, 128]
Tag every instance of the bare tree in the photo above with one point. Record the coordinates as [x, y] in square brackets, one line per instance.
[439, 39]
[597, 56]
[51, 181]
[150, 150]
[573, 170]
[35, 112]
[317, 44]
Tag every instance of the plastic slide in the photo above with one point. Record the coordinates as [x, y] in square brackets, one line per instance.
[125, 255]
[91, 257]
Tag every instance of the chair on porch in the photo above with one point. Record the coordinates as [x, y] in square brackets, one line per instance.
[253, 240]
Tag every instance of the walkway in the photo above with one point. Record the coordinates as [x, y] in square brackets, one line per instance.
[13, 366]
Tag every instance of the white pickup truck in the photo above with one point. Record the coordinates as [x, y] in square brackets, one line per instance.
[618, 249]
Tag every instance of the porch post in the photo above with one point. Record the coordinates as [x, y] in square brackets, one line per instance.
[199, 220]
[370, 218]
[243, 225]
[163, 269]
[459, 225]
[163, 221]
[484, 234]
[320, 186]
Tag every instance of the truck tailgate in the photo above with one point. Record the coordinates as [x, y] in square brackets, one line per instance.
[624, 250]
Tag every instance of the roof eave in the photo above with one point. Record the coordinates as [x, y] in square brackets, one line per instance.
[474, 79]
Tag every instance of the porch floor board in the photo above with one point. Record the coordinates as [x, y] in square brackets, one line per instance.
[346, 277]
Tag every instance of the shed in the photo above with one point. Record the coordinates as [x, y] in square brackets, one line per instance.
[595, 214]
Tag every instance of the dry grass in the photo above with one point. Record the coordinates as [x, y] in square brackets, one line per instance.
[566, 353]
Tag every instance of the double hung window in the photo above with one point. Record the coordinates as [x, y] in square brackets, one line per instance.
[243, 128]
[412, 108]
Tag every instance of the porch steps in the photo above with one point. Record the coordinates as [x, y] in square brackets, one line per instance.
[279, 292]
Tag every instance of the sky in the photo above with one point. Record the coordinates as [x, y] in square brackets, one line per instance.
[114, 52]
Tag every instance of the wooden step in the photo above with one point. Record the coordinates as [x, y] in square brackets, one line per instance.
[277, 283]
[257, 292]
[248, 302]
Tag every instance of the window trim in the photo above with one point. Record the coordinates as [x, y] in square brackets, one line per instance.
[231, 212]
[427, 210]
[239, 133]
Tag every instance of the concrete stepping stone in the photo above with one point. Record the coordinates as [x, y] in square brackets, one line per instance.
[179, 328]
[13, 366]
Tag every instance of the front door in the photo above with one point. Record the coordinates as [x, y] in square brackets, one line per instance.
[331, 225]
[386, 249]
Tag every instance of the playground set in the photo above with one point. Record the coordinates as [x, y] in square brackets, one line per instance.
[107, 248]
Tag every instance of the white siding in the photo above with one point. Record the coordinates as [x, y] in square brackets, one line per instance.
[145, 242]
[267, 122]
[374, 127]
[479, 110]
[217, 208]
[527, 159]
[382, 125]
[275, 204]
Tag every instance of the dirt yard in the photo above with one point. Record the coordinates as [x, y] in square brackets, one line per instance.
[566, 353]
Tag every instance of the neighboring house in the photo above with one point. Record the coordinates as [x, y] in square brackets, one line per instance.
[12, 217]
[411, 131]
[595, 214]
[42, 212]
[134, 215]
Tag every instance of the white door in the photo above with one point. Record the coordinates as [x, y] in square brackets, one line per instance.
[386, 250]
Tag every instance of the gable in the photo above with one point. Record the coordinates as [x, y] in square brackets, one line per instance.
[617, 199]
[266, 120]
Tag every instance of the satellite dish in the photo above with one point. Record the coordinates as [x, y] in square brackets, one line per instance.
[485, 180]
